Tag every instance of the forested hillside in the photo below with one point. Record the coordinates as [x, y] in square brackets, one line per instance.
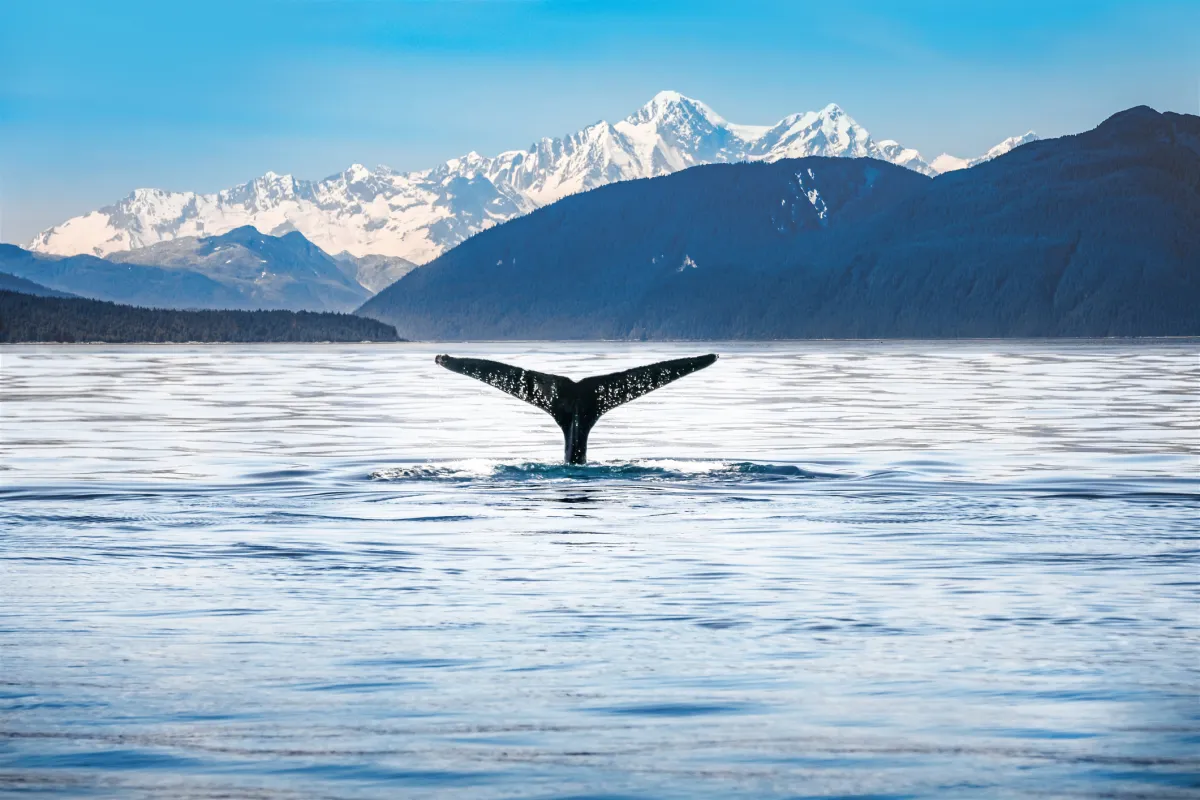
[1089, 235]
[29, 318]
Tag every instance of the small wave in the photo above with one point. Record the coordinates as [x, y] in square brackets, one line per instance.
[672, 470]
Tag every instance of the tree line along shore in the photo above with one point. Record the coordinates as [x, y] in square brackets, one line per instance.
[30, 318]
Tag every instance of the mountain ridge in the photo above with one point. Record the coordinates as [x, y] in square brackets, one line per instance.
[1093, 234]
[419, 215]
[948, 163]
[240, 269]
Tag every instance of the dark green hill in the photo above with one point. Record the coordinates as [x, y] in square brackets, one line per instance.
[29, 318]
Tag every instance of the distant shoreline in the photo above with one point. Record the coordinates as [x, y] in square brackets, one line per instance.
[33, 319]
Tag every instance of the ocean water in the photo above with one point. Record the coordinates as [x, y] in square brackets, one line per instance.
[886, 570]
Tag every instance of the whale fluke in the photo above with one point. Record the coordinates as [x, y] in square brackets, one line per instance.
[575, 405]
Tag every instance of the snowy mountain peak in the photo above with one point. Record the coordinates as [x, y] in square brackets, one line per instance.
[275, 179]
[674, 110]
[418, 215]
[948, 163]
[356, 172]
[1008, 145]
[668, 96]
[471, 163]
[668, 100]
[147, 195]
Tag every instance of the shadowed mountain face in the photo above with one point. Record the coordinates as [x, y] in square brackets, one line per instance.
[11, 283]
[1089, 235]
[373, 272]
[242, 269]
[269, 271]
[100, 279]
[586, 266]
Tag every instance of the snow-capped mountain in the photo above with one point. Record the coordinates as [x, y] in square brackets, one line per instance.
[419, 215]
[948, 163]
[360, 211]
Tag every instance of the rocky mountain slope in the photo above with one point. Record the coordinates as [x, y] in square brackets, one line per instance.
[1089, 235]
[417, 216]
[374, 273]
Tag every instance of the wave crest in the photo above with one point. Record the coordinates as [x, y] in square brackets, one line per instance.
[673, 470]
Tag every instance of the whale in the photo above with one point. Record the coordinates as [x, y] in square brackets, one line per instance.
[575, 405]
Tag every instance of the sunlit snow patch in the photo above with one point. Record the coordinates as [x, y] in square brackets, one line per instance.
[814, 196]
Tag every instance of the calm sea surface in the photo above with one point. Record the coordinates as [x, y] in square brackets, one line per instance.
[908, 569]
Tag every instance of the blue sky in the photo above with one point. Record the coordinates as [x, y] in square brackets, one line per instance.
[97, 98]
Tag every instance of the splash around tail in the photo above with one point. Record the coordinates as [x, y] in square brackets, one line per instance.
[576, 405]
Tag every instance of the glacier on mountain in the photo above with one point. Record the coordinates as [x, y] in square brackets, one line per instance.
[416, 216]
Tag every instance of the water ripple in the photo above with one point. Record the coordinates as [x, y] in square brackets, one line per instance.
[909, 569]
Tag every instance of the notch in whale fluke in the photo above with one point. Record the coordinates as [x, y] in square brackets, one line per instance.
[575, 405]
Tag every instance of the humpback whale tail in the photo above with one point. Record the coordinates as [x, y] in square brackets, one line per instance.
[575, 405]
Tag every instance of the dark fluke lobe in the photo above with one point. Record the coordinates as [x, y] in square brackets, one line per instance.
[575, 405]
